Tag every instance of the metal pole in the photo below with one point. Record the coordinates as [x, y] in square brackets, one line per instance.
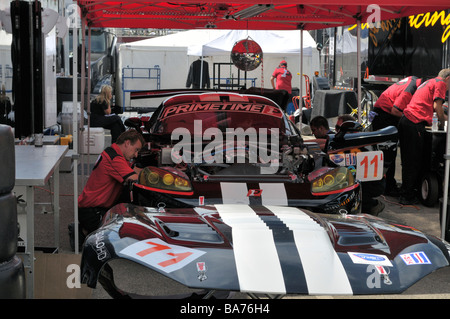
[75, 126]
[445, 193]
[89, 98]
[31, 39]
[358, 67]
[201, 71]
[301, 71]
[300, 89]
[83, 85]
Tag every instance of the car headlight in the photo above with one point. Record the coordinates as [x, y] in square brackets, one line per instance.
[331, 181]
[167, 180]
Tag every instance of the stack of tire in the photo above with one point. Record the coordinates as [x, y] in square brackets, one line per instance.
[12, 273]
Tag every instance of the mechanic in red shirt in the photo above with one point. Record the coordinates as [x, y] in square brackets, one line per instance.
[387, 110]
[395, 98]
[429, 98]
[106, 182]
[283, 78]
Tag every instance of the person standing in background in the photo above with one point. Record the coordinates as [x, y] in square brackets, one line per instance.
[282, 78]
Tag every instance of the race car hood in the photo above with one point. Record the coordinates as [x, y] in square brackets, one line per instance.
[265, 249]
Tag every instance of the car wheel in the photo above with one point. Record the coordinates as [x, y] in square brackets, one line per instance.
[429, 190]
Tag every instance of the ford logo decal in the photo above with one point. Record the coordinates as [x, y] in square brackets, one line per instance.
[369, 257]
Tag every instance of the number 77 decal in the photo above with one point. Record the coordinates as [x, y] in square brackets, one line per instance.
[160, 255]
[369, 166]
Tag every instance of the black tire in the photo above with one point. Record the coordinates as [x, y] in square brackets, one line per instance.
[12, 279]
[429, 189]
[7, 159]
[8, 226]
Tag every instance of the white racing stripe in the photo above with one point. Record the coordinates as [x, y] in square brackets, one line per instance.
[237, 193]
[256, 256]
[234, 193]
[273, 194]
[257, 262]
[323, 269]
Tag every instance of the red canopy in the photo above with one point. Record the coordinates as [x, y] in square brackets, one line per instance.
[287, 15]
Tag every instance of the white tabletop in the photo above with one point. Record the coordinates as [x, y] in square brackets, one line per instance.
[35, 165]
[437, 132]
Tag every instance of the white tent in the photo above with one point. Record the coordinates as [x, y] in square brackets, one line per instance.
[178, 39]
[347, 42]
[280, 42]
[173, 55]
[169, 53]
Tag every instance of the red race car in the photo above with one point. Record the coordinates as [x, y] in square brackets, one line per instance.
[222, 148]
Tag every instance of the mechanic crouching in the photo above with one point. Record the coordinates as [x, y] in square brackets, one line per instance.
[105, 185]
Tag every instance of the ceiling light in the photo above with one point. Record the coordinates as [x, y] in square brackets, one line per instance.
[250, 11]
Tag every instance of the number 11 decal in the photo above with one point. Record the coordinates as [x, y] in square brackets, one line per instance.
[369, 166]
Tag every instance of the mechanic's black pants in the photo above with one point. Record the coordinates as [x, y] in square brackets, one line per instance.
[382, 120]
[370, 190]
[91, 217]
[112, 122]
[411, 137]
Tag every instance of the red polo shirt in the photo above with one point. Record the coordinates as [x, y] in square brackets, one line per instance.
[283, 78]
[398, 95]
[105, 183]
[420, 108]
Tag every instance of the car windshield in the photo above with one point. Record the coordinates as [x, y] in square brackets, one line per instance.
[197, 117]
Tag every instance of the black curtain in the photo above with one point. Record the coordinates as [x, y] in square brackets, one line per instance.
[27, 59]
